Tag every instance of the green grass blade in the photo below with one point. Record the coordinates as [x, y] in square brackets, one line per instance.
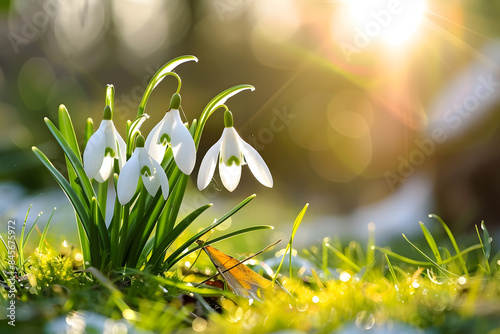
[21, 240]
[146, 250]
[216, 223]
[483, 247]
[453, 242]
[441, 269]
[4, 244]
[169, 215]
[159, 252]
[84, 242]
[289, 246]
[159, 76]
[391, 269]
[487, 241]
[173, 211]
[215, 240]
[344, 258]
[79, 207]
[432, 243]
[423, 263]
[89, 130]
[68, 131]
[370, 245]
[25, 241]
[95, 241]
[45, 230]
[83, 180]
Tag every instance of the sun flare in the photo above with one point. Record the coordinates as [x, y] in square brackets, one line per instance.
[393, 21]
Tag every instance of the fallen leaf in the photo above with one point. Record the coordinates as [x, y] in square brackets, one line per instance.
[242, 280]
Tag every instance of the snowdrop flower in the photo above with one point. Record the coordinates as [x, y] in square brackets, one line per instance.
[103, 147]
[152, 174]
[172, 131]
[234, 153]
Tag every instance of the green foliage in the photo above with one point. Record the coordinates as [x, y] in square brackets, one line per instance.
[388, 292]
[143, 231]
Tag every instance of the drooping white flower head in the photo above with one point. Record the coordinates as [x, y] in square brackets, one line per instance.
[141, 164]
[103, 147]
[234, 152]
[172, 131]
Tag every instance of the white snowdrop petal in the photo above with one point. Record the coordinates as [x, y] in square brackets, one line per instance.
[182, 144]
[106, 169]
[230, 175]
[162, 177]
[110, 137]
[155, 150]
[230, 145]
[257, 165]
[128, 179]
[208, 164]
[122, 150]
[94, 153]
[150, 180]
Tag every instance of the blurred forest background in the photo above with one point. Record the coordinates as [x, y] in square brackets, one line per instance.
[372, 111]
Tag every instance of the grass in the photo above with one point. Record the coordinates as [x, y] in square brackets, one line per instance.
[333, 287]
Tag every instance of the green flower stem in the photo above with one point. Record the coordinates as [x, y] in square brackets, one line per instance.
[136, 226]
[228, 118]
[102, 196]
[216, 103]
[159, 204]
[115, 228]
[123, 234]
[129, 141]
[160, 75]
[159, 251]
[95, 241]
[169, 215]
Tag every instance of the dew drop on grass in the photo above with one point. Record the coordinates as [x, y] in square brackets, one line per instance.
[302, 307]
[345, 276]
[365, 320]
[199, 324]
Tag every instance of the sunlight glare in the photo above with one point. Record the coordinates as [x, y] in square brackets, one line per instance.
[394, 21]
